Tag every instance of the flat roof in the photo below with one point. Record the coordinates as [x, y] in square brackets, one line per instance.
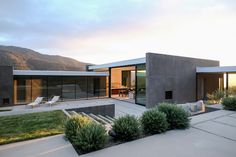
[58, 73]
[218, 69]
[119, 63]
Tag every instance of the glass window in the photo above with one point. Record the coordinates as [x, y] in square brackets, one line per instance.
[81, 87]
[103, 87]
[125, 78]
[93, 87]
[141, 84]
[54, 86]
[68, 88]
[39, 87]
[27, 89]
[22, 90]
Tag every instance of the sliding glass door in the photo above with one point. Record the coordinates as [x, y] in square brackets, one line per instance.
[140, 84]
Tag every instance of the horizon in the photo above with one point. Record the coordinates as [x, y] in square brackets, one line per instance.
[99, 32]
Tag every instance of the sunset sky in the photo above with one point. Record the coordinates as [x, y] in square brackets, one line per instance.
[100, 31]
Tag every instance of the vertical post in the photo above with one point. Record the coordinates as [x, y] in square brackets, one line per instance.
[61, 87]
[196, 86]
[87, 86]
[47, 87]
[135, 91]
[109, 82]
[31, 88]
[227, 84]
[75, 86]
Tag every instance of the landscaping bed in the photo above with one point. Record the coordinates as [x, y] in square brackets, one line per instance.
[87, 135]
[29, 126]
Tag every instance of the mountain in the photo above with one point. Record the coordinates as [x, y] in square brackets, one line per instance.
[26, 59]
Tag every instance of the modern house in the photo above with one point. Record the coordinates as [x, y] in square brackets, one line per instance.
[145, 81]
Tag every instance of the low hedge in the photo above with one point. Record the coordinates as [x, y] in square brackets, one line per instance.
[154, 121]
[126, 128]
[229, 103]
[91, 137]
[176, 116]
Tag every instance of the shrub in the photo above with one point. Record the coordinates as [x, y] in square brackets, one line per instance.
[232, 91]
[126, 128]
[229, 103]
[154, 122]
[73, 123]
[176, 116]
[91, 137]
[216, 96]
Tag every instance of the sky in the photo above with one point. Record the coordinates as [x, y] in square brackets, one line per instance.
[101, 31]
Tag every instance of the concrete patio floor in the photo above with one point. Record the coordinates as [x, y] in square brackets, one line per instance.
[210, 134]
[121, 107]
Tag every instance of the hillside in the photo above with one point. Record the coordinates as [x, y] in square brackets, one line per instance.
[26, 59]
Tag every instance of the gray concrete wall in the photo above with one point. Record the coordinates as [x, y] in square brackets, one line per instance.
[6, 84]
[172, 73]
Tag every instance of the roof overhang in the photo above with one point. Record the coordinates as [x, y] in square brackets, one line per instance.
[58, 73]
[119, 64]
[221, 69]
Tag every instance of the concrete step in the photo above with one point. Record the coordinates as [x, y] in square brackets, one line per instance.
[85, 114]
[110, 118]
[106, 119]
[98, 119]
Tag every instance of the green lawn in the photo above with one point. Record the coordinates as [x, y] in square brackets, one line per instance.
[29, 126]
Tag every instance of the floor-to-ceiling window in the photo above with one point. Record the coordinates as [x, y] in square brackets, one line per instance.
[123, 83]
[28, 88]
[129, 83]
[22, 90]
[93, 85]
[39, 87]
[81, 87]
[141, 84]
[54, 86]
[103, 87]
[68, 88]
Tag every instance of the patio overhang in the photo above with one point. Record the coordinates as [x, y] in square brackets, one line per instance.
[58, 73]
[119, 64]
[218, 69]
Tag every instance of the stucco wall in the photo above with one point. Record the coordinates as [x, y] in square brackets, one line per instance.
[172, 73]
[6, 84]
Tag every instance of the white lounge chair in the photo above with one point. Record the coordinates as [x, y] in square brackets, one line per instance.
[54, 100]
[36, 102]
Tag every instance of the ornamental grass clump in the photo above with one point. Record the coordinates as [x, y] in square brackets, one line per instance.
[176, 116]
[126, 128]
[74, 123]
[91, 137]
[154, 122]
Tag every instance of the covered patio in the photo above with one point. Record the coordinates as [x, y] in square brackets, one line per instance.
[210, 79]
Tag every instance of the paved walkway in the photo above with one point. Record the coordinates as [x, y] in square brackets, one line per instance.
[210, 134]
[121, 107]
[54, 146]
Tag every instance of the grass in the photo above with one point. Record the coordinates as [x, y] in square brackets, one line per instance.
[29, 126]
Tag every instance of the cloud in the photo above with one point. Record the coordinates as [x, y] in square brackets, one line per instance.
[100, 31]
